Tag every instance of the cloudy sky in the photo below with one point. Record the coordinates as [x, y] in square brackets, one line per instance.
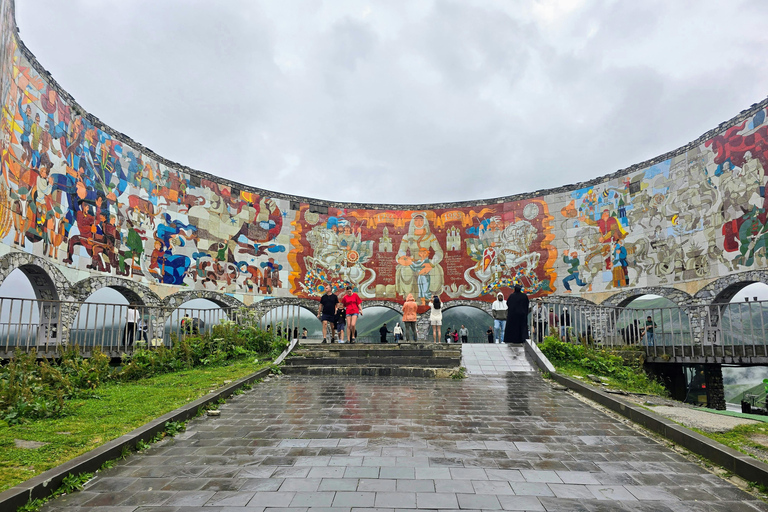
[405, 101]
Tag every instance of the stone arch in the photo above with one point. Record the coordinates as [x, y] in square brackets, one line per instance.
[48, 284]
[47, 281]
[395, 306]
[722, 290]
[262, 307]
[621, 299]
[718, 294]
[477, 304]
[220, 299]
[135, 293]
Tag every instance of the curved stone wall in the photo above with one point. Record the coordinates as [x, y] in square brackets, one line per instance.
[102, 209]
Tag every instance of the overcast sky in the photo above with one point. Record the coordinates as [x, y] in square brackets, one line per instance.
[405, 102]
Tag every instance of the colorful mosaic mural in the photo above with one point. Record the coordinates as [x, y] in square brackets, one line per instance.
[96, 203]
[461, 252]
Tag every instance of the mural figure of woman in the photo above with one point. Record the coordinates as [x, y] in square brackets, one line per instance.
[414, 266]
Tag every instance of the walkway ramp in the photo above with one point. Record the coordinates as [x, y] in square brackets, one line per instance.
[346, 444]
[489, 359]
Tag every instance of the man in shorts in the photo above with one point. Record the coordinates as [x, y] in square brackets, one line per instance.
[327, 311]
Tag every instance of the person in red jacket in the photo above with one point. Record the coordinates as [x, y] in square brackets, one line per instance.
[351, 302]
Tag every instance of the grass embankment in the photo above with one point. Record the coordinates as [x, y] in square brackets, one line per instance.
[749, 439]
[575, 360]
[112, 410]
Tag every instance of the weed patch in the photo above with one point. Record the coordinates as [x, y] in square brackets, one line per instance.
[579, 360]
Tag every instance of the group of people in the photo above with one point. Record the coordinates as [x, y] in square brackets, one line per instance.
[340, 314]
[510, 318]
[634, 333]
[543, 319]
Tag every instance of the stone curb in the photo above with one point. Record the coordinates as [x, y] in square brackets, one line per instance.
[42, 485]
[748, 468]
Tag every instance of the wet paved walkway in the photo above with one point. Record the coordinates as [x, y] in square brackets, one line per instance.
[493, 359]
[390, 444]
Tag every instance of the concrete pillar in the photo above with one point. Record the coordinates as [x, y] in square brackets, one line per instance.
[673, 378]
[423, 328]
[713, 375]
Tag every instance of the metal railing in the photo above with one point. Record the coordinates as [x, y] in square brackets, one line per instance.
[45, 325]
[686, 330]
[27, 324]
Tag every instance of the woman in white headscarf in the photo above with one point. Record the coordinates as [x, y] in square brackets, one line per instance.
[414, 261]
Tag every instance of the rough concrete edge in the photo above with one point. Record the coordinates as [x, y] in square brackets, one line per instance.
[43, 484]
[748, 468]
[532, 350]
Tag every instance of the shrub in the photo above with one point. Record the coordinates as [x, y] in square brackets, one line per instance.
[39, 389]
[31, 390]
[583, 359]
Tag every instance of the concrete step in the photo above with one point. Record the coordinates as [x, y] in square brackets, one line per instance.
[426, 362]
[363, 352]
[404, 359]
[371, 371]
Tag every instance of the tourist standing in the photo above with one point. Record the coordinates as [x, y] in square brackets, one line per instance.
[436, 317]
[554, 321]
[455, 336]
[499, 313]
[464, 334]
[448, 336]
[304, 333]
[540, 315]
[327, 312]
[132, 319]
[409, 318]
[650, 336]
[383, 333]
[398, 332]
[565, 323]
[351, 302]
[489, 334]
[517, 317]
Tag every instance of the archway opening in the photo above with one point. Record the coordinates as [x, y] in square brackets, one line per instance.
[195, 316]
[290, 322]
[19, 312]
[111, 318]
[371, 321]
[474, 320]
[744, 320]
[651, 320]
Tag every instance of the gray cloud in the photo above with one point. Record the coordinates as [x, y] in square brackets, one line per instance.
[405, 102]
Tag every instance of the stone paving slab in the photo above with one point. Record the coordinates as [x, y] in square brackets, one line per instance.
[508, 442]
[494, 359]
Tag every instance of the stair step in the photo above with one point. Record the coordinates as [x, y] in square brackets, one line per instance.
[435, 362]
[371, 371]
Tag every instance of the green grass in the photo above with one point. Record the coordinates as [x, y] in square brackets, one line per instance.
[633, 383]
[577, 360]
[114, 410]
[739, 438]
